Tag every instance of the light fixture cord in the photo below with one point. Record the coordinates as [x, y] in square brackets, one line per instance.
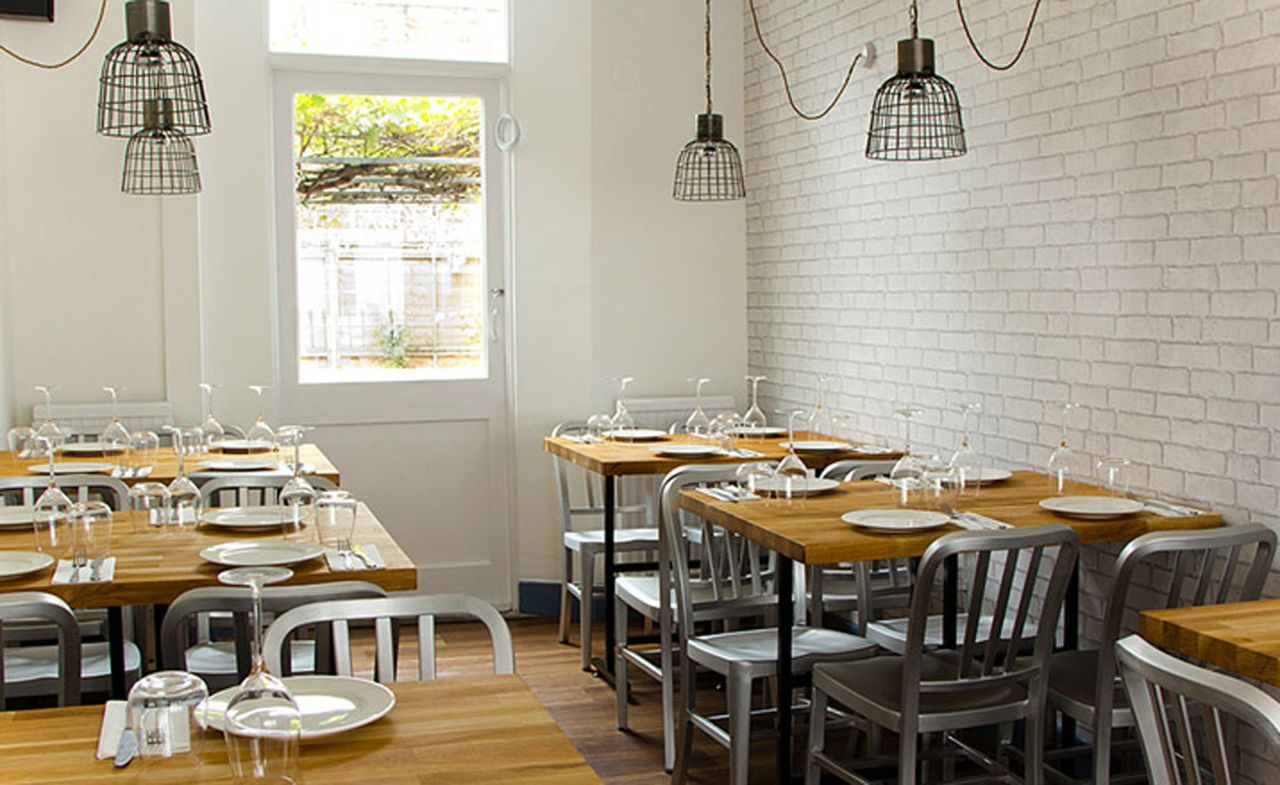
[915, 19]
[786, 82]
[1021, 49]
[97, 27]
[707, 36]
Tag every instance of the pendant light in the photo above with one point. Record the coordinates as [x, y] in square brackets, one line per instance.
[150, 66]
[159, 160]
[709, 168]
[916, 113]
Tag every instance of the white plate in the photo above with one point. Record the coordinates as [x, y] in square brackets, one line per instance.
[329, 704]
[243, 445]
[896, 520]
[15, 564]
[989, 476]
[17, 517]
[687, 450]
[636, 435]
[814, 486]
[1093, 508]
[817, 446]
[261, 553]
[758, 431]
[73, 467]
[89, 448]
[239, 465]
[244, 517]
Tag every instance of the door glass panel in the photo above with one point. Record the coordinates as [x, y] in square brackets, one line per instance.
[390, 258]
[461, 30]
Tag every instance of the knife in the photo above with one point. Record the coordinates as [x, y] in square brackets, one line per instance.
[127, 748]
[364, 557]
[95, 569]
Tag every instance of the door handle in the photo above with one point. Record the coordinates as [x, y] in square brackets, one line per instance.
[495, 313]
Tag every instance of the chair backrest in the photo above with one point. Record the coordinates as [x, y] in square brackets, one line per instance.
[1165, 693]
[1000, 655]
[80, 487]
[1210, 567]
[39, 606]
[593, 491]
[735, 576]
[251, 489]
[424, 607]
[191, 605]
[850, 470]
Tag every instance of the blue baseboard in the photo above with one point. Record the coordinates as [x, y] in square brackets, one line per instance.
[542, 598]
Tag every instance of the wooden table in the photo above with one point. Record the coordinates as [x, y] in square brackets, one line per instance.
[156, 564]
[465, 730]
[612, 459]
[811, 533]
[1242, 637]
[165, 467]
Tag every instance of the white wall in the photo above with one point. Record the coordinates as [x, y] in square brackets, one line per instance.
[1111, 238]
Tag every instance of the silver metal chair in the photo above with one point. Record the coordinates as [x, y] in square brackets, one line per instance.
[983, 682]
[1209, 566]
[1164, 690]
[226, 663]
[424, 607]
[49, 669]
[851, 470]
[587, 544]
[736, 578]
[80, 487]
[250, 489]
[641, 593]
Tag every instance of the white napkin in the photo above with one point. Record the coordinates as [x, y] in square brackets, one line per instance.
[65, 570]
[871, 449]
[338, 563]
[1172, 510]
[588, 439]
[742, 452]
[985, 522]
[115, 716]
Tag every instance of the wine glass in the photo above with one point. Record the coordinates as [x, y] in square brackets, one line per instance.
[964, 461]
[754, 419]
[166, 712]
[213, 430]
[820, 417]
[262, 723]
[115, 437]
[48, 428]
[622, 419]
[52, 508]
[907, 413]
[20, 440]
[791, 469]
[908, 473]
[153, 499]
[144, 447]
[260, 433]
[698, 423]
[90, 534]
[185, 502]
[298, 495]
[1113, 473]
[1062, 460]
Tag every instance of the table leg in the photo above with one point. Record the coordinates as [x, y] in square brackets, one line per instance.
[604, 666]
[786, 620]
[115, 649]
[950, 600]
[157, 619]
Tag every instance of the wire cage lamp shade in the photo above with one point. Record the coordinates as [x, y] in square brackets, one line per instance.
[709, 168]
[916, 113]
[149, 66]
[160, 160]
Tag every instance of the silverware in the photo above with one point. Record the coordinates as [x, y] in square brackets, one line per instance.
[95, 569]
[359, 551]
[76, 566]
[127, 748]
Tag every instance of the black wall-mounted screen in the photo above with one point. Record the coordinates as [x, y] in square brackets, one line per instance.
[27, 9]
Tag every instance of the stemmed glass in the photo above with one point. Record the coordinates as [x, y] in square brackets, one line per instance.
[262, 723]
[297, 496]
[52, 508]
[791, 468]
[185, 502]
[260, 432]
[698, 423]
[754, 418]
[213, 430]
[820, 418]
[1062, 459]
[115, 437]
[622, 420]
[908, 473]
[48, 428]
[964, 461]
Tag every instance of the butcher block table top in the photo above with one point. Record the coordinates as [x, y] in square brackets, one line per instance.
[1242, 637]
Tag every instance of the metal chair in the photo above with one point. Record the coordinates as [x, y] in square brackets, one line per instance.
[48, 669]
[641, 593]
[736, 578]
[587, 544]
[80, 487]
[250, 489]
[1163, 690]
[226, 663]
[1084, 685]
[425, 607]
[984, 682]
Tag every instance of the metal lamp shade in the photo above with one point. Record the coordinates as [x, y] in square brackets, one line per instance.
[916, 113]
[134, 73]
[709, 168]
[160, 162]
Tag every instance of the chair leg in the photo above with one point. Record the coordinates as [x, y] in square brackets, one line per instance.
[587, 593]
[566, 599]
[684, 748]
[907, 774]
[666, 657]
[620, 685]
[1033, 758]
[817, 737]
[738, 694]
[1101, 751]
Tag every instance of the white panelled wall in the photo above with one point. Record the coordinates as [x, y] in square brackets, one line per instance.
[1112, 238]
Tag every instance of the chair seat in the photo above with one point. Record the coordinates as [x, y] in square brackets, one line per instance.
[23, 664]
[623, 539]
[878, 681]
[891, 634]
[760, 647]
[1072, 685]
[219, 658]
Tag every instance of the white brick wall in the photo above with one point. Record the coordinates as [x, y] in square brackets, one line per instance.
[1111, 238]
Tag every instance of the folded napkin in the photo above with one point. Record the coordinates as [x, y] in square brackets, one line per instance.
[583, 439]
[739, 452]
[129, 471]
[338, 563]
[983, 521]
[871, 449]
[115, 716]
[65, 570]
[726, 495]
[1169, 510]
